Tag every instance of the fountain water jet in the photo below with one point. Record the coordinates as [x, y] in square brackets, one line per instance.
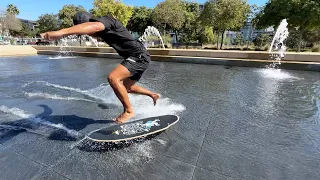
[151, 31]
[278, 43]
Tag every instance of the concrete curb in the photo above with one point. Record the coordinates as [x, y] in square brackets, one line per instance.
[296, 61]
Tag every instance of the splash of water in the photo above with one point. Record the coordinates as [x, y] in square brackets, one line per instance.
[95, 41]
[278, 43]
[142, 105]
[53, 85]
[149, 32]
[62, 57]
[277, 74]
[55, 97]
[65, 44]
[65, 50]
[24, 115]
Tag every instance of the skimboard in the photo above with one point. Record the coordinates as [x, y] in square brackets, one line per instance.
[133, 130]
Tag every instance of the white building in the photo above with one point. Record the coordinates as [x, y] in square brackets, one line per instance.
[250, 33]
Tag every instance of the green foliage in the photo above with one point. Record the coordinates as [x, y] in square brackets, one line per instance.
[225, 15]
[24, 32]
[302, 15]
[9, 22]
[115, 8]
[48, 22]
[170, 13]
[66, 14]
[207, 36]
[261, 40]
[312, 37]
[166, 38]
[191, 27]
[12, 9]
[316, 48]
[238, 40]
[140, 19]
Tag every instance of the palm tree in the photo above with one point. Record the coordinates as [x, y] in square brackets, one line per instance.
[12, 9]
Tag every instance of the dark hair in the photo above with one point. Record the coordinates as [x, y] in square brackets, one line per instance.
[81, 17]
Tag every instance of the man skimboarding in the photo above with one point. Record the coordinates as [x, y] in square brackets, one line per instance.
[136, 58]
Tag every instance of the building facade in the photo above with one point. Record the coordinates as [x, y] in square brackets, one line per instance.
[31, 24]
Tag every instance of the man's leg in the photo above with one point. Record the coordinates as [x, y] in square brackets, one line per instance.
[115, 79]
[133, 88]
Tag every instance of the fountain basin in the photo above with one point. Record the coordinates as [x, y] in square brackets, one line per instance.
[297, 61]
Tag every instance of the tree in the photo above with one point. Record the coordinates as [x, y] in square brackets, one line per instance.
[312, 37]
[24, 32]
[115, 8]
[238, 40]
[66, 14]
[191, 28]
[302, 15]
[225, 15]
[207, 36]
[140, 19]
[171, 14]
[261, 40]
[48, 22]
[13, 10]
[9, 22]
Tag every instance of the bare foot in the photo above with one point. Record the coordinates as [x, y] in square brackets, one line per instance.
[155, 97]
[124, 117]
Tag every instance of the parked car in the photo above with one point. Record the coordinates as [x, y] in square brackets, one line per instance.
[42, 42]
[32, 43]
[4, 42]
[22, 42]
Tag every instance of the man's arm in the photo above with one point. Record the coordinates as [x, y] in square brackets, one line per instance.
[80, 29]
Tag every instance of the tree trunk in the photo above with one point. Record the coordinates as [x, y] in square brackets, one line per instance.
[176, 33]
[164, 33]
[222, 39]
[300, 41]
[218, 40]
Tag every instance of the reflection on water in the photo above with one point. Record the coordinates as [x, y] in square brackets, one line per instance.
[279, 93]
[276, 74]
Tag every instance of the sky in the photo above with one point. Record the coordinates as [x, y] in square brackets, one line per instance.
[32, 9]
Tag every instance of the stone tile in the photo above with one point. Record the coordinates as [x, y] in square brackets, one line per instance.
[248, 151]
[10, 138]
[312, 130]
[138, 161]
[203, 174]
[49, 175]
[15, 167]
[39, 148]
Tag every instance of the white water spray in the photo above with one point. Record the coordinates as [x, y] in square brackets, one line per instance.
[272, 71]
[149, 32]
[24, 115]
[278, 43]
[142, 105]
[55, 97]
[66, 43]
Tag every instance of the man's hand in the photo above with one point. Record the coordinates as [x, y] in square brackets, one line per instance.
[52, 36]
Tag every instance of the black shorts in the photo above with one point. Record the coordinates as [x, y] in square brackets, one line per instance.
[137, 65]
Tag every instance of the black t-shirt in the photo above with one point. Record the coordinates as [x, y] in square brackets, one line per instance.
[118, 37]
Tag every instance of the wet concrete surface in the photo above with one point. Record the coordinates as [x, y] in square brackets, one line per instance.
[235, 123]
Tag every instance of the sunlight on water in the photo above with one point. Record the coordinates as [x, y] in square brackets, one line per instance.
[276, 74]
[62, 57]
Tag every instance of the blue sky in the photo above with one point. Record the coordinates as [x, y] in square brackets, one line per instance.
[32, 9]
